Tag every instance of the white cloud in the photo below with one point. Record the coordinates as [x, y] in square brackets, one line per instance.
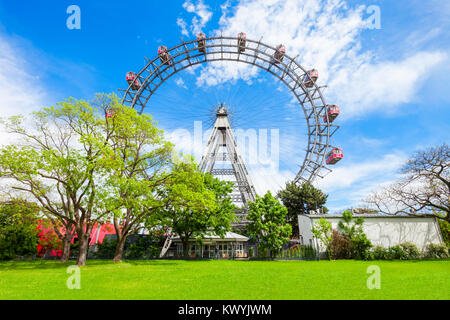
[202, 14]
[326, 34]
[366, 87]
[180, 82]
[183, 25]
[20, 90]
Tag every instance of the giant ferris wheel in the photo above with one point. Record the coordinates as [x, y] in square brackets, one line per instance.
[318, 115]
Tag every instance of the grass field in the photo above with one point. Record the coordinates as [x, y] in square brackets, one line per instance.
[164, 279]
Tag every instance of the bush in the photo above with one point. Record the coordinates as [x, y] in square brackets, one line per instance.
[18, 229]
[436, 251]
[397, 252]
[381, 253]
[107, 248]
[141, 247]
[411, 251]
[341, 246]
[353, 229]
[445, 231]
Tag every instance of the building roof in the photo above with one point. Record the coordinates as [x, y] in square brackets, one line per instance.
[229, 236]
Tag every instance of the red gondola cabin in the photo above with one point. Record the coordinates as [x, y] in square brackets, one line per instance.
[164, 56]
[201, 42]
[311, 78]
[334, 156]
[133, 80]
[242, 39]
[109, 112]
[332, 112]
[279, 53]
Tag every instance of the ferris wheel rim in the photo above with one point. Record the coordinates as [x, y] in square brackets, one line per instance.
[319, 132]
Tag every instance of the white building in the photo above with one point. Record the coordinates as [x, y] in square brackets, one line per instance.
[381, 230]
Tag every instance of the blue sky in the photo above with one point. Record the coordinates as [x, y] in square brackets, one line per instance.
[392, 83]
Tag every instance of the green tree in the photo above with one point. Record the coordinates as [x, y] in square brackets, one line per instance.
[323, 232]
[353, 229]
[137, 166]
[60, 162]
[300, 199]
[196, 203]
[268, 223]
[19, 221]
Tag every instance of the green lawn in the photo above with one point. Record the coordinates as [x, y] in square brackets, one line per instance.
[160, 279]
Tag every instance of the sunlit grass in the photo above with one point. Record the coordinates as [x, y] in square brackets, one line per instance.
[164, 279]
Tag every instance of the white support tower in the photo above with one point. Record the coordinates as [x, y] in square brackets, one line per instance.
[222, 159]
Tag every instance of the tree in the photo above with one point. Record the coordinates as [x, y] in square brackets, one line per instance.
[301, 200]
[137, 167]
[19, 222]
[59, 163]
[353, 229]
[196, 203]
[323, 232]
[268, 223]
[425, 186]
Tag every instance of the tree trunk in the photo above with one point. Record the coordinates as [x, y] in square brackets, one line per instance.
[118, 255]
[66, 246]
[83, 243]
[185, 247]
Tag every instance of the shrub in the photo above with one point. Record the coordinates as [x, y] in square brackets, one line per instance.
[341, 246]
[18, 229]
[411, 251]
[361, 246]
[445, 231]
[141, 247]
[107, 248]
[436, 251]
[381, 253]
[353, 229]
[397, 252]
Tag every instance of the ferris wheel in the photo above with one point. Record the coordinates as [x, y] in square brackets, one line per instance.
[318, 115]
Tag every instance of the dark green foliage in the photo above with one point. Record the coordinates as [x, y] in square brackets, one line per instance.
[352, 228]
[381, 253]
[403, 251]
[268, 223]
[136, 247]
[300, 200]
[445, 231]
[341, 246]
[436, 251]
[143, 247]
[411, 251]
[18, 229]
[107, 248]
[397, 252]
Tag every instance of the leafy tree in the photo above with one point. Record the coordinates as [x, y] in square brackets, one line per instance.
[301, 199]
[268, 223]
[196, 203]
[137, 167]
[323, 232]
[353, 229]
[425, 186]
[60, 163]
[19, 221]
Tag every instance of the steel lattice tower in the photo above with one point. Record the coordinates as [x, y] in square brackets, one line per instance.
[223, 159]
